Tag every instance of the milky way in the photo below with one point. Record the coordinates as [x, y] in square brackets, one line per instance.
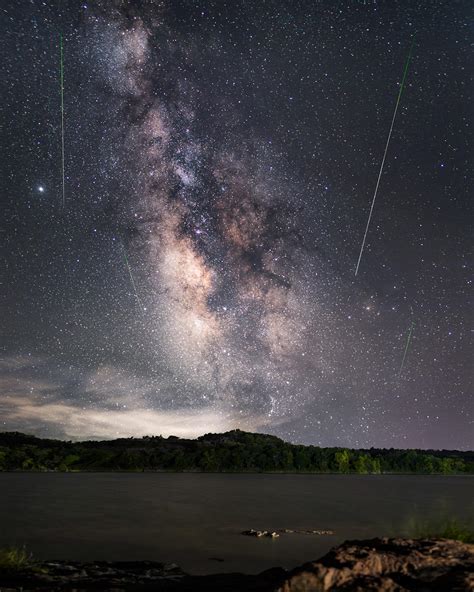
[219, 165]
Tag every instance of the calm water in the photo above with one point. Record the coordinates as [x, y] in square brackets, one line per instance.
[190, 518]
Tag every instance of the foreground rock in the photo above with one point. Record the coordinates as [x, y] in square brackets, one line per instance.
[128, 576]
[388, 565]
[100, 575]
[385, 565]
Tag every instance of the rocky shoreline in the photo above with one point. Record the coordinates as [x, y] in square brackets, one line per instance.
[388, 565]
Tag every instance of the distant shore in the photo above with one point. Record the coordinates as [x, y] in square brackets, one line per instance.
[231, 452]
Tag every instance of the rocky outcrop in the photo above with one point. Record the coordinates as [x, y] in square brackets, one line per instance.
[276, 533]
[388, 565]
[384, 565]
[273, 534]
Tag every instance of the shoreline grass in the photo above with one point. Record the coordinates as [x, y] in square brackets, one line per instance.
[13, 559]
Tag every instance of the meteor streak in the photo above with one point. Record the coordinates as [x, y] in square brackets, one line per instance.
[61, 73]
[412, 326]
[131, 277]
[385, 153]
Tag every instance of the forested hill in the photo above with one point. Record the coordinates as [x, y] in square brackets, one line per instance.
[231, 451]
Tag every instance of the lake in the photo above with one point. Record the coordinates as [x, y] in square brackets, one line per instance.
[192, 519]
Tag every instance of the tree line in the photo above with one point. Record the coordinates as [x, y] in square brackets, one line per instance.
[234, 451]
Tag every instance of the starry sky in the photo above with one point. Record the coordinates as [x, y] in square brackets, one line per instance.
[220, 160]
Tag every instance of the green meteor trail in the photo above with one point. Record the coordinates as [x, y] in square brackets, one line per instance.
[61, 73]
[412, 326]
[131, 277]
[402, 85]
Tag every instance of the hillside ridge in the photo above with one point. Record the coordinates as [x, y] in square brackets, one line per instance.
[232, 451]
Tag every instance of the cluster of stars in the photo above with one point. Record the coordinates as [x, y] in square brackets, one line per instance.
[220, 159]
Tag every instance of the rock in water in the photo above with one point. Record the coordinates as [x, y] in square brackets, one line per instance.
[388, 565]
[256, 533]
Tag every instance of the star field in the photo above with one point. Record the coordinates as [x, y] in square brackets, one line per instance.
[220, 161]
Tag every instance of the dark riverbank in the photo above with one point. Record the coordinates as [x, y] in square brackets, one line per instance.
[391, 565]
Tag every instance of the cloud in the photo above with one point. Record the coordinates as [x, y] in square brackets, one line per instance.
[108, 403]
[65, 420]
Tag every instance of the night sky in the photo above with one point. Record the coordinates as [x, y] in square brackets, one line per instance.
[220, 162]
